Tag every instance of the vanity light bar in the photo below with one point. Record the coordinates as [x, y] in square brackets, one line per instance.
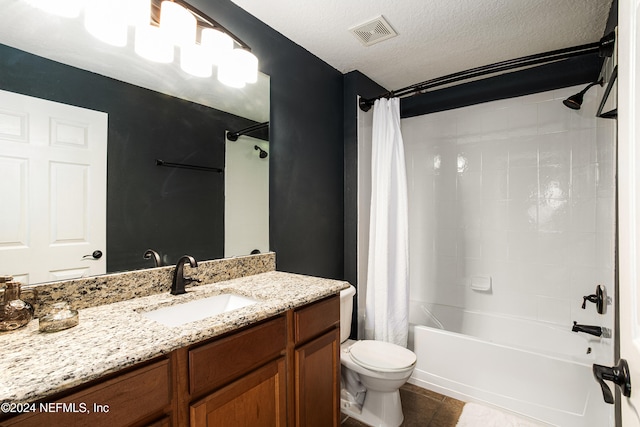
[168, 24]
[236, 66]
[205, 21]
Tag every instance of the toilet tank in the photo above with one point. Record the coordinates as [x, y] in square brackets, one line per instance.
[346, 310]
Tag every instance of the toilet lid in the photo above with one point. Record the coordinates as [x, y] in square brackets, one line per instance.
[382, 356]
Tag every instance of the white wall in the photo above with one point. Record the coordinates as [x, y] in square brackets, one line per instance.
[246, 203]
[518, 190]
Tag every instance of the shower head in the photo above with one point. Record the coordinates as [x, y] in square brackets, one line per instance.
[263, 154]
[575, 101]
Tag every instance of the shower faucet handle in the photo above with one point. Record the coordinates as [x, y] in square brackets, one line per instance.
[591, 298]
[598, 299]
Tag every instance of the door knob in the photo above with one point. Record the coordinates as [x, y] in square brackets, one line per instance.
[94, 255]
[620, 376]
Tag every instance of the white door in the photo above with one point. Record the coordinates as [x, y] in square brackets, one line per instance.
[629, 200]
[52, 189]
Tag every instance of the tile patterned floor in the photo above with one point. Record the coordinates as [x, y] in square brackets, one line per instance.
[422, 408]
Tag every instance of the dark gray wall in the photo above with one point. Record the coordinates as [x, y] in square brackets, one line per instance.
[307, 161]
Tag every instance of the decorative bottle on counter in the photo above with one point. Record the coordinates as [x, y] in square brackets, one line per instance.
[14, 313]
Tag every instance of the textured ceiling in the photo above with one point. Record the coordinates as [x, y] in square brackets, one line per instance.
[436, 37]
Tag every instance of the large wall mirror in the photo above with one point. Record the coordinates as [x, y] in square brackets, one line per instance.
[154, 112]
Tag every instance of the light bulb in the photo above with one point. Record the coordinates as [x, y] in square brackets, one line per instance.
[237, 68]
[247, 65]
[106, 22]
[179, 24]
[153, 44]
[216, 43]
[138, 11]
[228, 71]
[195, 61]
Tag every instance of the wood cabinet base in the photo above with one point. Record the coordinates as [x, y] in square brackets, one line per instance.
[282, 371]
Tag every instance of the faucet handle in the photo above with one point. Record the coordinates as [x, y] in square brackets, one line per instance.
[188, 280]
[598, 299]
[590, 298]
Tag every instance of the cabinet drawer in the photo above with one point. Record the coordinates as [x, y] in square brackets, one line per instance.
[316, 318]
[214, 364]
[121, 401]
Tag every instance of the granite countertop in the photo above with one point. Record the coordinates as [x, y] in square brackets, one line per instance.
[111, 337]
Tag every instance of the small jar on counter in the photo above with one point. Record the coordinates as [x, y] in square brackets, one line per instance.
[60, 317]
[14, 312]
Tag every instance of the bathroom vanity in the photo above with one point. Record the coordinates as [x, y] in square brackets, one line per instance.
[275, 362]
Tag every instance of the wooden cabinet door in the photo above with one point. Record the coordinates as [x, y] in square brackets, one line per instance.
[255, 400]
[317, 381]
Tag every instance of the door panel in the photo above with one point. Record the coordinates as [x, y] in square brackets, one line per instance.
[13, 227]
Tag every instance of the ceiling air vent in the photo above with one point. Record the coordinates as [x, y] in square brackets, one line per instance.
[373, 32]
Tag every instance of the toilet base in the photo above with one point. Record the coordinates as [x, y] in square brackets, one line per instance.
[380, 409]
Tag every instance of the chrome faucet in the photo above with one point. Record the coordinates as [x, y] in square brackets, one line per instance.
[179, 281]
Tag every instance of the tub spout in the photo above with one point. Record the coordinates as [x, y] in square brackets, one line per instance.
[587, 329]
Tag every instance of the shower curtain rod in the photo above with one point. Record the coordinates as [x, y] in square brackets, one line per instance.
[233, 136]
[604, 47]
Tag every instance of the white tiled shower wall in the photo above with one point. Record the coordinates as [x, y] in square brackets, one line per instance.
[520, 191]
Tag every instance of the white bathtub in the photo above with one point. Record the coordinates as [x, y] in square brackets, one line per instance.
[536, 370]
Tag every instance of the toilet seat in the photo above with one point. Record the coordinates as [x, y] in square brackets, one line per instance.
[382, 356]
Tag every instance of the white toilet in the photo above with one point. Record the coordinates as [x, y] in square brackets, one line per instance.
[372, 373]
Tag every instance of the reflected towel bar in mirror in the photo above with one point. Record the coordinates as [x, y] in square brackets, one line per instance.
[186, 166]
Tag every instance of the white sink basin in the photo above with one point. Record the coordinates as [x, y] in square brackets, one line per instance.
[179, 314]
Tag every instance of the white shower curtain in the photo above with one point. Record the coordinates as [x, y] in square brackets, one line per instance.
[387, 295]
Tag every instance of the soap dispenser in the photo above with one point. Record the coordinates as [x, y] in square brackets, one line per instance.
[14, 313]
